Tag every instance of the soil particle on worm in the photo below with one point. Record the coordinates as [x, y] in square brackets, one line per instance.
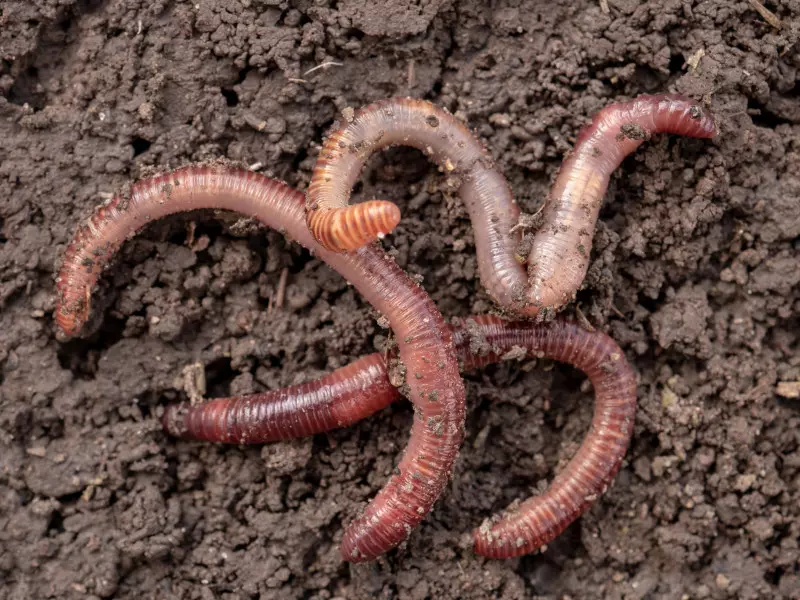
[694, 272]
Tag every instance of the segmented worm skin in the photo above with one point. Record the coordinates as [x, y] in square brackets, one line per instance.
[541, 518]
[458, 153]
[362, 388]
[558, 254]
[559, 257]
[424, 339]
[336, 400]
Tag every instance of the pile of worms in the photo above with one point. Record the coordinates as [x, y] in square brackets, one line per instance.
[362, 388]
[424, 340]
[529, 274]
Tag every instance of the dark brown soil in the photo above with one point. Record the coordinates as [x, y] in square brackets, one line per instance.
[696, 273]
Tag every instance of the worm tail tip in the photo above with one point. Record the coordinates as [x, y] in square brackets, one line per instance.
[355, 226]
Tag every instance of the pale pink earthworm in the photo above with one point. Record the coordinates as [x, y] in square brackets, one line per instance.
[557, 256]
[353, 392]
[424, 339]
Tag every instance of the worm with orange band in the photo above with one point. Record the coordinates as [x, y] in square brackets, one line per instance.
[424, 339]
[360, 389]
[557, 256]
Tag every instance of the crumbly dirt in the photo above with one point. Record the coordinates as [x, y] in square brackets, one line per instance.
[695, 272]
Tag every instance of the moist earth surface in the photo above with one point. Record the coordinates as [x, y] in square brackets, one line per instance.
[694, 272]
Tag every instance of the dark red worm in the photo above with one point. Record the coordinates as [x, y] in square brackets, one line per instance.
[557, 256]
[351, 393]
[424, 338]
[341, 398]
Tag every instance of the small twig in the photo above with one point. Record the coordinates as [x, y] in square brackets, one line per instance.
[191, 227]
[766, 14]
[604, 6]
[582, 320]
[324, 65]
[281, 288]
[694, 60]
[276, 299]
[616, 311]
[254, 122]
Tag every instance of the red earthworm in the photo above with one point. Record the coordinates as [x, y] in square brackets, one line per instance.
[542, 518]
[362, 388]
[557, 256]
[424, 339]
[338, 399]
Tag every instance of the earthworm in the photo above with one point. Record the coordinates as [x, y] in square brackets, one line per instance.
[341, 398]
[451, 145]
[557, 255]
[540, 519]
[424, 340]
[363, 387]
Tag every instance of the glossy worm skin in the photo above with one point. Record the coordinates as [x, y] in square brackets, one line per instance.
[452, 146]
[540, 519]
[362, 388]
[557, 256]
[341, 398]
[424, 339]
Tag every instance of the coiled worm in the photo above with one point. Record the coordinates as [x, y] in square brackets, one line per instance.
[363, 387]
[425, 342]
[556, 258]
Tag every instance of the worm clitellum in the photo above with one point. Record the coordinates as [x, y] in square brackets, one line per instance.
[424, 339]
[362, 388]
[558, 255]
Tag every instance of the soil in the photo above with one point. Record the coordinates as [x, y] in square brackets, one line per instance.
[695, 272]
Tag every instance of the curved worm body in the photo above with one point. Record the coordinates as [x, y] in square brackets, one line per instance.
[425, 341]
[458, 153]
[540, 519]
[362, 388]
[558, 255]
